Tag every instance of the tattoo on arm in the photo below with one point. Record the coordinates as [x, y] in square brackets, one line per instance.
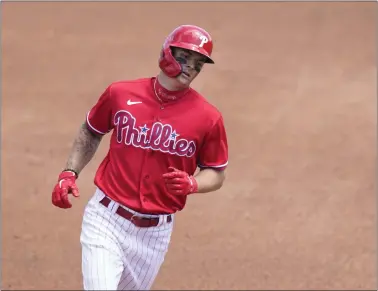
[84, 147]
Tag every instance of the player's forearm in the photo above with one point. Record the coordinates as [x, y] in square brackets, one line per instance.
[209, 180]
[84, 147]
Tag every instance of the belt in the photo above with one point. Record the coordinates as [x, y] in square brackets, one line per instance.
[139, 221]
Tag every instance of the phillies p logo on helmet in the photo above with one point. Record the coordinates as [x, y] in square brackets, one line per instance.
[204, 40]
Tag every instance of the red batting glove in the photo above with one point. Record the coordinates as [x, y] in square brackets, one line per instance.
[179, 182]
[66, 185]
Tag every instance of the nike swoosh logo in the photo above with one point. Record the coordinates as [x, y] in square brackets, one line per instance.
[129, 102]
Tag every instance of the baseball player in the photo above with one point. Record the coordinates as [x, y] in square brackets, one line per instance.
[162, 132]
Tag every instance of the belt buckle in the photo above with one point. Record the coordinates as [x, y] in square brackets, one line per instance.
[140, 221]
[132, 217]
[136, 217]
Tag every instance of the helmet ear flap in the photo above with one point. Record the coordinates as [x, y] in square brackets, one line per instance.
[168, 64]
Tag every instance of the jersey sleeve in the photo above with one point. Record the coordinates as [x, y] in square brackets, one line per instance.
[99, 117]
[214, 151]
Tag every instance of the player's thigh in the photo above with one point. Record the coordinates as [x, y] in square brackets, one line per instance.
[102, 268]
[102, 263]
[143, 280]
[142, 261]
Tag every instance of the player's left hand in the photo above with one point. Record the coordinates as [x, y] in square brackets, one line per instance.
[179, 182]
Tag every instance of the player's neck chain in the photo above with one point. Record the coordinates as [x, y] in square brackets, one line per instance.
[164, 95]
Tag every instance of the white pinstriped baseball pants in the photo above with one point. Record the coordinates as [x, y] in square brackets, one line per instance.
[116, 254]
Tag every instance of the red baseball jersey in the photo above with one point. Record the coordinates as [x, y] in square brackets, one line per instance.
[149, 136]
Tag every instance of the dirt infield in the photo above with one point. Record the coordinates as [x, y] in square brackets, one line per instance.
[296, 84]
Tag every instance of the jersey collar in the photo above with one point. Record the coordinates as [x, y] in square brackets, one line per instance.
[163, 95]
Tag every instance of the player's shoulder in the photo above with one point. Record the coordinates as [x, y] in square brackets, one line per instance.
[206, 106]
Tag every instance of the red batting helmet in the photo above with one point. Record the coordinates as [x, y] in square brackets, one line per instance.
[188, 37]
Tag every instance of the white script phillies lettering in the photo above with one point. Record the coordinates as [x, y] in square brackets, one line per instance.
[160, 137]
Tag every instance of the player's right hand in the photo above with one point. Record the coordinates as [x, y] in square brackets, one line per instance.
[66, 185]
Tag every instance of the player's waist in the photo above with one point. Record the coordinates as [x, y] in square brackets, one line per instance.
[136, 217]
[149, 199]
